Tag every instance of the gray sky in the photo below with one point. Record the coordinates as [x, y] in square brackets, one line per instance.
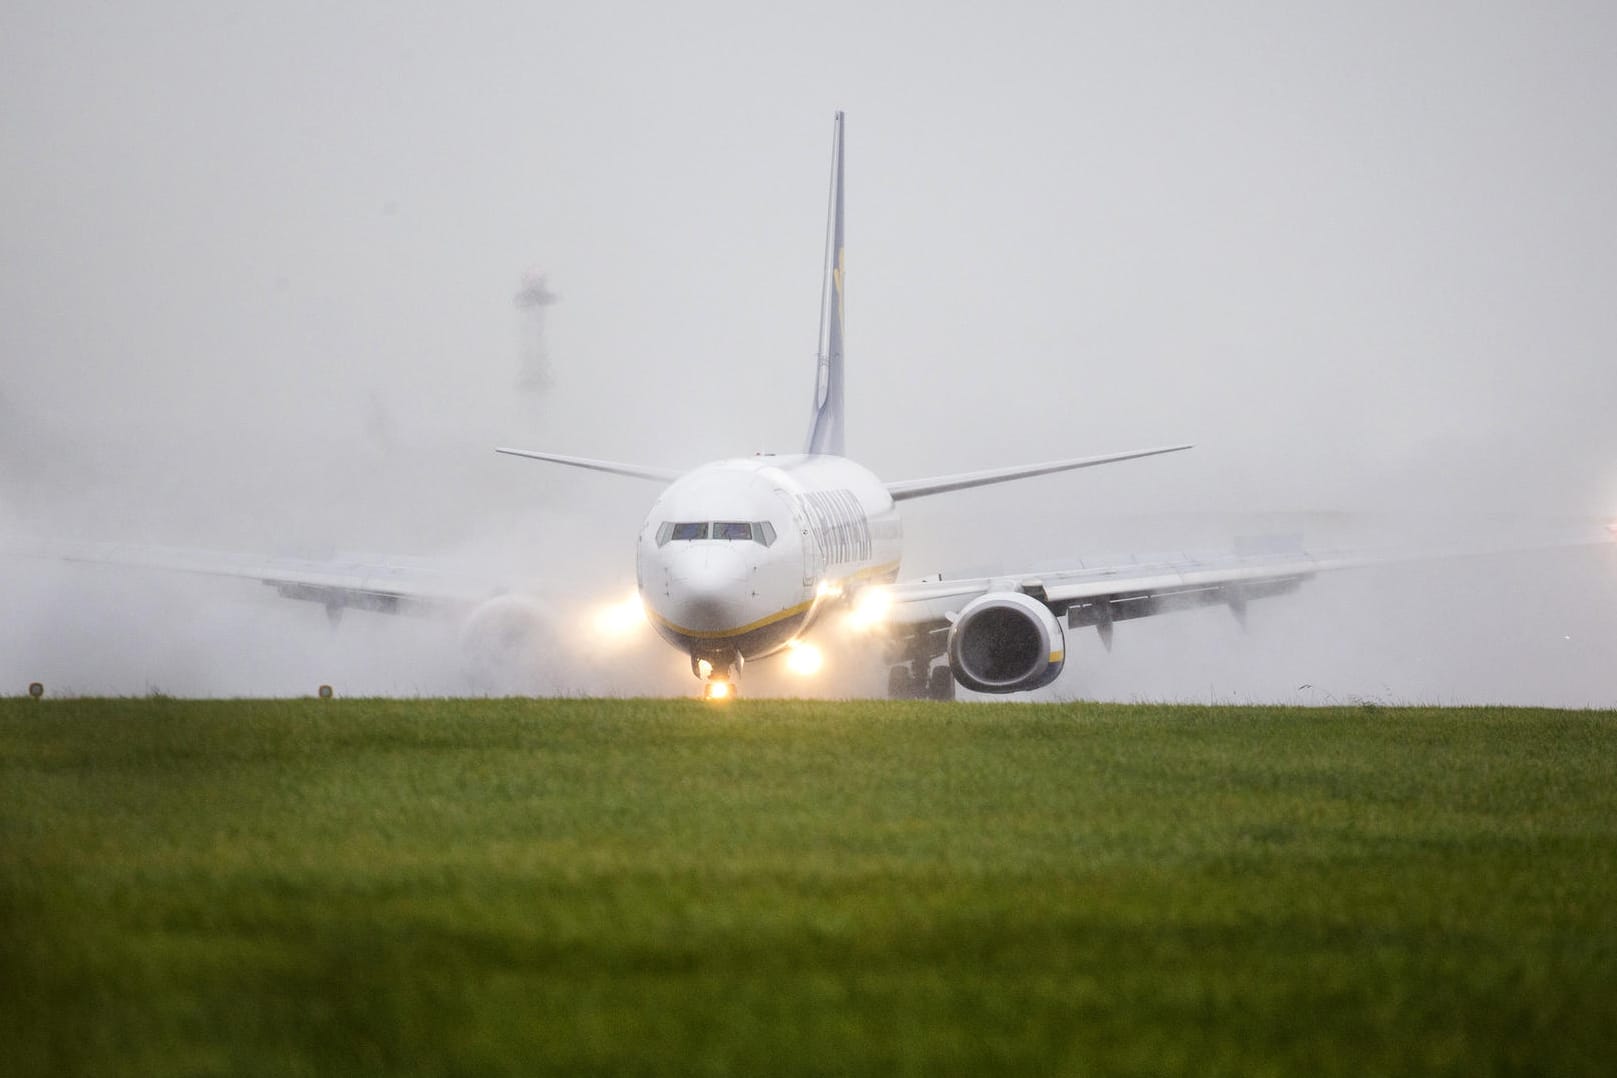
[257, 267]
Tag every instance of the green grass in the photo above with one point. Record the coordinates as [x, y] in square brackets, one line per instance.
[486, 887]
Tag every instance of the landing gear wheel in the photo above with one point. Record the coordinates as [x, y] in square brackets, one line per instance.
[719, 690]
[940, 683]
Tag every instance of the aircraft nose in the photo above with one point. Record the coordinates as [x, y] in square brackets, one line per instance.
[706, 587]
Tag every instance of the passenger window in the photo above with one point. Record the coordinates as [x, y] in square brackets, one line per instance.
[764, 532]
[726, 529]
[690, 531]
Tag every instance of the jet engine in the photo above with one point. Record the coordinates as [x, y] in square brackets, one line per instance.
[1006, 641]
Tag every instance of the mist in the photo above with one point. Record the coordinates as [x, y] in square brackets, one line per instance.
[257, 271]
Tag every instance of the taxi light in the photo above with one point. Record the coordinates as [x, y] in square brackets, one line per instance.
[716, 690]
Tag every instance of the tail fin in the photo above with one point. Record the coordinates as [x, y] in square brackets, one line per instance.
[825, 432]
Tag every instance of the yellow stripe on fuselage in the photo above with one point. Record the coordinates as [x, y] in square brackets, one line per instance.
[724, 634]
[866, 574]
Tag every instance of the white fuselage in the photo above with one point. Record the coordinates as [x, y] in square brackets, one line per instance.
[738, 558]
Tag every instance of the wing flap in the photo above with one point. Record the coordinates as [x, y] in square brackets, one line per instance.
[1152, 579]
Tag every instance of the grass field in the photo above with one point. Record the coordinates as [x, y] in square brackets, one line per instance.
[486, 887]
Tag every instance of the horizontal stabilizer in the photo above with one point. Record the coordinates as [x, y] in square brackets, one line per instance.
[661, 475]
[942, 484]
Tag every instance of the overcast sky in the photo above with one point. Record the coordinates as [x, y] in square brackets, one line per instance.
[257, 265]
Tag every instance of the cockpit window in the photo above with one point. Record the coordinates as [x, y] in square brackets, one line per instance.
[759, 531]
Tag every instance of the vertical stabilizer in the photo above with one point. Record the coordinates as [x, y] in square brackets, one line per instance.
[825, 432]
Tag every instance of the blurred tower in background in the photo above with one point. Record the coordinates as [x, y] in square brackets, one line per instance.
[533, 374]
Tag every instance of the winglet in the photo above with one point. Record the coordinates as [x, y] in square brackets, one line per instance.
[825, 431]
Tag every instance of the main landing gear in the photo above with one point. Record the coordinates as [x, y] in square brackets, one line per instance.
[915, 682]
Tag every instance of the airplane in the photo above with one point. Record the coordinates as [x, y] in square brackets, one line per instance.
[743, 559]
[739, 559]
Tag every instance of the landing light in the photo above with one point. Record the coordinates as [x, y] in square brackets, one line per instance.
[621, 618]
[804, 659]
[870, 608]
[716, 690]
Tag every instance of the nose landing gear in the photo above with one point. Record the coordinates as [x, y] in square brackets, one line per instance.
[718, 673]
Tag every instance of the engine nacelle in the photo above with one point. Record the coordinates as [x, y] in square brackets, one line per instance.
[1006, 641]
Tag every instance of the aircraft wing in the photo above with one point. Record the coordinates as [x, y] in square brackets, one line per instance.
[1103, 593]
[944, 484]
[389, 585]
[612, 467]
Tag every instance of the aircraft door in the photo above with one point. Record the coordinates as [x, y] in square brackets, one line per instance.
[813, 556]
